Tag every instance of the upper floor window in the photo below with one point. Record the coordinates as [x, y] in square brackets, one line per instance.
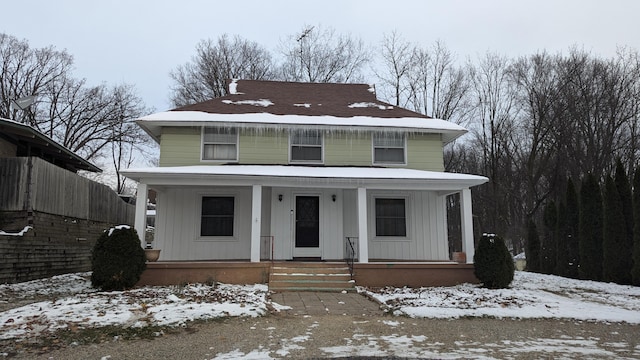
[389, 149]
[306, 146]
[219, 144]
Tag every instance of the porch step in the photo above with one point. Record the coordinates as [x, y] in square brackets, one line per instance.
[310, 276]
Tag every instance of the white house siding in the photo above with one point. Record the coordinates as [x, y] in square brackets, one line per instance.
[282, 221]
[178, 225]
[426, 226]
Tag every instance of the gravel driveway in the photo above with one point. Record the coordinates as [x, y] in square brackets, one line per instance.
[329, 336]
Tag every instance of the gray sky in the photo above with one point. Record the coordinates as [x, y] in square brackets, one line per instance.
[140, 42]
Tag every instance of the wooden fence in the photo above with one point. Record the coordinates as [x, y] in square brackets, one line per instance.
[53, 190]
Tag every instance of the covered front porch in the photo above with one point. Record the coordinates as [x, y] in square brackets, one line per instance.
[391, 223]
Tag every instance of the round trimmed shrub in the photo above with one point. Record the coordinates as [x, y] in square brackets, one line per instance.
[117, 260]
[493, 262]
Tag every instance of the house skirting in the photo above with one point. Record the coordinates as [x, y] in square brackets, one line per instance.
[399, 274]
[378, 274]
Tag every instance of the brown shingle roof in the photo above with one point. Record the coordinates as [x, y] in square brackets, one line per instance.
[293, 98]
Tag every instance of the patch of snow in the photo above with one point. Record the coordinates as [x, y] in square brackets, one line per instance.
[302, 105]
[372, 88]
[118, 227]
[19, 233]
[370, 104]
[261, 102]
[530, 296]
[520, 256]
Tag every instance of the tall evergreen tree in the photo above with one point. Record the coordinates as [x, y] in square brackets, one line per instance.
[614, 236]
[562, 251]
[548, 251]
[635, 270]
[533, 247]
[572, 217]
[590, 229]
[624, 191]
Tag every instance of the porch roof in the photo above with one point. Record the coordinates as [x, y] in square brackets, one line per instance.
[305, 176]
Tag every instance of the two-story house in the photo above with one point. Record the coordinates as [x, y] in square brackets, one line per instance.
[303, 171]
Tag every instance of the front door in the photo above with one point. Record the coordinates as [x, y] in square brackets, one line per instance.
[307, 228]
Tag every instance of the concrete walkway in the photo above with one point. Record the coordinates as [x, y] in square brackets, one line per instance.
[326, 303]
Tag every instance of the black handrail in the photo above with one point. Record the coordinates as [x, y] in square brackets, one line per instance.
[350, 253]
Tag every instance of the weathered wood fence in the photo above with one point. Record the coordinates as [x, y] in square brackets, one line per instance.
[53, 190]
[67, 212]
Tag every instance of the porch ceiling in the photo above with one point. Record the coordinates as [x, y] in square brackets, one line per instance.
[305, 176]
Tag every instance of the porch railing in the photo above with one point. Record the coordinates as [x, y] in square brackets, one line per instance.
[266, 247]
[350, 252]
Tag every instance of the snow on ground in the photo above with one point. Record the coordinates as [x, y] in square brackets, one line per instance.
[71, 302]
[530, 296]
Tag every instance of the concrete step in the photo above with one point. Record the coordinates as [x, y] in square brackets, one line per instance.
[310, 276]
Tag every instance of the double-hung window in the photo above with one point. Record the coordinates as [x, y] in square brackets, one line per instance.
[217, 217]
[389, 149]
[306, 146]
[219, 144]
[391, 217]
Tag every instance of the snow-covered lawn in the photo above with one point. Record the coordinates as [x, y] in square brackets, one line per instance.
[72, 303]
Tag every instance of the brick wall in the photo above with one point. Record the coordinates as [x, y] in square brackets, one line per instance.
[56, 245]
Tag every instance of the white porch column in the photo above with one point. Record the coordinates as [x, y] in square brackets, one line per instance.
[466, 222]
[256, 216]
[363, 236]
[140, 223]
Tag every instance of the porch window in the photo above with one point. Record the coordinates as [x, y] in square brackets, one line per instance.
[388, 149]
[391, 217]
[217, 216]
[219, 144]
[306, 146]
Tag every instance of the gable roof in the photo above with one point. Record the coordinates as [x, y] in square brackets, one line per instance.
[295, 98]
[43, 146]
[264, 104]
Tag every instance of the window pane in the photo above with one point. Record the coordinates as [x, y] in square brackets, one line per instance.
[389, 155]
[388, 141]
[216, 135]
[306, 138]
[390, 217]
[219, 152]
[217, 216]
[306, 153]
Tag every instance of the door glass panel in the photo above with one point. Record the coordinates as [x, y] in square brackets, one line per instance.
[307, 221]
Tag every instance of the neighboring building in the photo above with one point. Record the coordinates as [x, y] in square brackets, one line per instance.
[50, 217]
[302, 171]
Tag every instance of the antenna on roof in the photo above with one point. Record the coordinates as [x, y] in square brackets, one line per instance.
[23, 104]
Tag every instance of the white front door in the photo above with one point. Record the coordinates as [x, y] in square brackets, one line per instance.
[307, 226]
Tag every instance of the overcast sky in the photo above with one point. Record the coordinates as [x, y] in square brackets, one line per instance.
[140, 41]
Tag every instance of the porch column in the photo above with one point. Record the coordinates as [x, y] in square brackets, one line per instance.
[363, 237]
[140, 223]
[466, 222]
[256, 216]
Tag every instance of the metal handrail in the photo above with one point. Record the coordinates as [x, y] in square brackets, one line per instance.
[350, 253]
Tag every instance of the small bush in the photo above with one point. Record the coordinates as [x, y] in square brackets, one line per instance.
[118, 259]
[493, 263]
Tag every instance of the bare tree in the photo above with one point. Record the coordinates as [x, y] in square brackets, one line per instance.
[204, 77]
[398, 61]
[321, 55]
[25, 71]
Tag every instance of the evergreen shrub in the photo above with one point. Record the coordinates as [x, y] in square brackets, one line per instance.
[117, 260]
[493, 262]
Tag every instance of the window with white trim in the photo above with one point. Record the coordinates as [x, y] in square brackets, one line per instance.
[389, 149]
[219, 144]
[391, 219]
[306, 146]
[217, 216]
